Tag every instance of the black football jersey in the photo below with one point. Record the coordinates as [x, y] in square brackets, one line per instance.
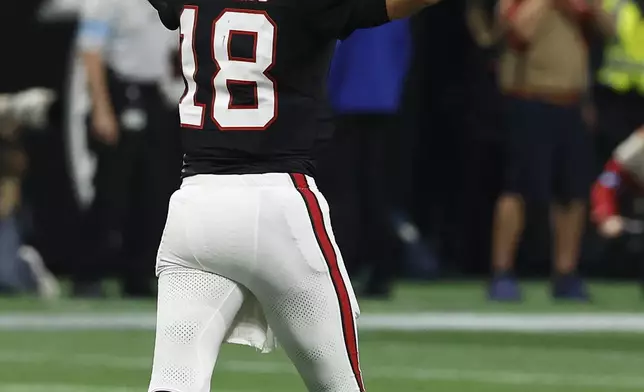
[255, 74]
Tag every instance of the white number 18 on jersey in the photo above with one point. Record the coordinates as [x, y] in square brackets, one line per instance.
[231, 71]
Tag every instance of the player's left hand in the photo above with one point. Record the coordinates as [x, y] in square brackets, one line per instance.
[169, 12]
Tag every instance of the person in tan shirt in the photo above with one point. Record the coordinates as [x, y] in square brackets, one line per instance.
[543, 75]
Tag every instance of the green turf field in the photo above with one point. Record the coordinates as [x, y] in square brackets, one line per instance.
[36, 357]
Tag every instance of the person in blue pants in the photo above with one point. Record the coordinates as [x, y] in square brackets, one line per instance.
[22, 270]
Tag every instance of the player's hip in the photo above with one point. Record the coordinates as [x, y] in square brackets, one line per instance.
[269, 232]
[243, 223]
[248, 183]
[226, 162]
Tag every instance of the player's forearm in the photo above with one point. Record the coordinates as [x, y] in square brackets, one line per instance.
[398, 9]
[97, 81]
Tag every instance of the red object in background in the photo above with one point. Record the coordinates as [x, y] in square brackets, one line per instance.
[603, 196]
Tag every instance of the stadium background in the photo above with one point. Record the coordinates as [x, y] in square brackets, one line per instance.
[430, 336]
[44, 56]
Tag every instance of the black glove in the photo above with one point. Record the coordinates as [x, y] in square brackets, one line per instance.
[169, 11]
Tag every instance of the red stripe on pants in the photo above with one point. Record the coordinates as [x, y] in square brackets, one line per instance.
[331, 258]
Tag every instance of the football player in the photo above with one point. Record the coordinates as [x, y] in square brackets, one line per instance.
[248, 255]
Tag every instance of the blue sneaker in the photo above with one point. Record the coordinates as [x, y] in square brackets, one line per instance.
[570, 287]
[504, 288]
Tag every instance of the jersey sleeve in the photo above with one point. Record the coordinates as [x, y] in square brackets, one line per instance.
[96, 19]
[337, 19]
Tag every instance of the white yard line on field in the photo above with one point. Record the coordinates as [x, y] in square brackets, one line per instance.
[464, 375]
[32, 387]
[476, 322]
[498, 377]
[59, 388]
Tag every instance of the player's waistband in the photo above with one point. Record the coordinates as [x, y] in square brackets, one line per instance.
[291, 180]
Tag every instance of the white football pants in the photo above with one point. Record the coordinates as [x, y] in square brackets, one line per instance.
[243, 257]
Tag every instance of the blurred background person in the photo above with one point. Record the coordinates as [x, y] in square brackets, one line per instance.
[482, 174]
[617, 97]
[543, 74]
[22, 270]
[617, 218]
[622, 173]
[619, 93]
[126, 52]
[430, 160]
[365, 85]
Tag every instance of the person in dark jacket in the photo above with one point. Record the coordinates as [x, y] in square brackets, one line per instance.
[365, 86]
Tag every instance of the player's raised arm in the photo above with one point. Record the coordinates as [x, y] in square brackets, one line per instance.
[169, 11]
[337, 19]
[397, 9]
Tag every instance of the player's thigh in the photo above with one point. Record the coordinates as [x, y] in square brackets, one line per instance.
[529, 144]
[175, 248]
[195, 311]
[211, 228]
[317, 332]
[307, 297]
[574, 157]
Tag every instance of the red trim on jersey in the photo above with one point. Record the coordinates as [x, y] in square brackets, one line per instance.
[232, 104]
[252, 34]
[331, 258]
